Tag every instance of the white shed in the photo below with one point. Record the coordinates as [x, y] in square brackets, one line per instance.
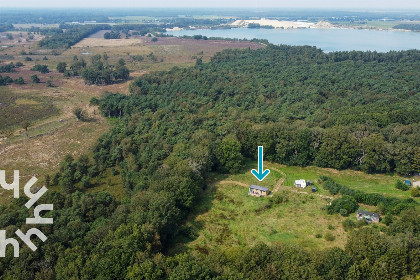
[300, 183]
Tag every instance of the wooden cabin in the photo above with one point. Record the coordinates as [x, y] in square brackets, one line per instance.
[255, 190]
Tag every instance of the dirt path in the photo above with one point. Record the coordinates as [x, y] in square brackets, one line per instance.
[279, 182]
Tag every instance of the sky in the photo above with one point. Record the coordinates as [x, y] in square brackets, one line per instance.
[320, 4]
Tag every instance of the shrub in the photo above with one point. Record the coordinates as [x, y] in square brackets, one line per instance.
[401, 185]
[154, 39]
[35, 79]
[19, 81]
[348, 224]
[41, 68]
[361, 223]
[28, 58]
[277, 198]
[388, 219]
[415, 192]
[80, 114]
[329, 237]
[61, 67]
[344, 205]
[318, 235]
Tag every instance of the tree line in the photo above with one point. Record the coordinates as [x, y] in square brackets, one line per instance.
[70, 36]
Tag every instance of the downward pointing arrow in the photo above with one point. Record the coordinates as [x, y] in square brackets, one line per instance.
[260, 174]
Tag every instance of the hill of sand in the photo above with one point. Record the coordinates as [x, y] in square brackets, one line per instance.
[283, 24]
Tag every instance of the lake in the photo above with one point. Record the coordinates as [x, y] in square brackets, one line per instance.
[325, 39]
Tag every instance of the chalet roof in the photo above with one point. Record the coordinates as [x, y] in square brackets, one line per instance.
[366, 213]
[255, 187]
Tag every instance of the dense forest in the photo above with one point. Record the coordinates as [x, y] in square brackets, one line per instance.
[342, 110]
[355, 110]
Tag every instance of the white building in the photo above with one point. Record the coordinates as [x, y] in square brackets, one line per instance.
[300, 183]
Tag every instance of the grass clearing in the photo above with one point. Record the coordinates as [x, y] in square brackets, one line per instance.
[226, 216]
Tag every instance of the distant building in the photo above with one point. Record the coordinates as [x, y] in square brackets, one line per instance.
[407, 182]
[258, 191]
[313, 189]
[368, 216]
[300, 183]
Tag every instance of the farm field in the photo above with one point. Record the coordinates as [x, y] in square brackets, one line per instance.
[226, 216]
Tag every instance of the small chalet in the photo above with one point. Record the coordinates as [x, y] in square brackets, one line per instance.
[258, 191]
[368, 216]
[300, 183]
[313, 189]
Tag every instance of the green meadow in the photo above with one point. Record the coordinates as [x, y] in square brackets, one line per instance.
[226, 216]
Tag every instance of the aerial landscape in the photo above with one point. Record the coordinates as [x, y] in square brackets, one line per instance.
[211, 140]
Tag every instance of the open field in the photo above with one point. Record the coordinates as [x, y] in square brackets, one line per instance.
[169, 51]
[226, 216]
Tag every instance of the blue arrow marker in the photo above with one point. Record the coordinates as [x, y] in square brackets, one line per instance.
[260, 174]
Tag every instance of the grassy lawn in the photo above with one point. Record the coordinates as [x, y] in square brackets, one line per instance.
[226, 216]
[370, 183]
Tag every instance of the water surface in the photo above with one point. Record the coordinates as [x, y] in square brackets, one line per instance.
[326, 39]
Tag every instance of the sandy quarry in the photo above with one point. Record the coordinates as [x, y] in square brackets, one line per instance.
[284, 24]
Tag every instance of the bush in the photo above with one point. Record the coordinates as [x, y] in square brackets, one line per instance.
[329, 237]
[344, 205]
[401, 185]
[361, 223]
[35, 79]
[80, 114]
[415, 192]
[388, 219]
[318, 235]
[28, 58]
[277, 198]
[19, 81]
[61, 67]
[348, 224]
[41, 68]
[154, 39]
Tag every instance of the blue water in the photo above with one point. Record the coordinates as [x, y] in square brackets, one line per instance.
[325, 39]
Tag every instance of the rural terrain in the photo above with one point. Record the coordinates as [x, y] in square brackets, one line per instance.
[146, 144]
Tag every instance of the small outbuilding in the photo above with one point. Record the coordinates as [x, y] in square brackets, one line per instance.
[313, 189]
[255, 190]
[368, 216]
[300, 183]
[407, 182]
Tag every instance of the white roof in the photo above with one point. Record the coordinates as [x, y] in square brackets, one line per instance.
[300, 182]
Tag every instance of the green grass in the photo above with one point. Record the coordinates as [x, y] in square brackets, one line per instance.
[226, 216]
[370, 183]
